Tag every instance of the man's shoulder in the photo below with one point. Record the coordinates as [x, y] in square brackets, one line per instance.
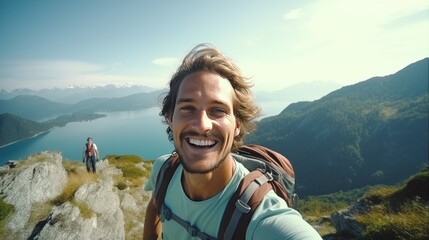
[150, 185]
[157, 164]
[162, 159]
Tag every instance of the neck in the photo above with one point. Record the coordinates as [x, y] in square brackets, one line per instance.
[200, 187]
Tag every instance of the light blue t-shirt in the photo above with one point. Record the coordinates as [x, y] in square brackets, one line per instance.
[273, 219]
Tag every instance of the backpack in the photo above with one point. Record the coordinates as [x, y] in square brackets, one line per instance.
[89, 149]
[268, 170]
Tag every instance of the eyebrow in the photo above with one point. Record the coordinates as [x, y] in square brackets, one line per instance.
[187, 100]
[183, 100]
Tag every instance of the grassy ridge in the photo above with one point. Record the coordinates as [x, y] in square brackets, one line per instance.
[396, 212]
[399, 212]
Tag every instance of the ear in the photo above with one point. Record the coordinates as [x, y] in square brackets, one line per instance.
[237, 132]
[237, 128]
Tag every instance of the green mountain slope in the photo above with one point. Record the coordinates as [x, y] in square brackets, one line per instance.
[132, 102]
[37, 108]
[372, 132]
[31, 107]
[13, 128]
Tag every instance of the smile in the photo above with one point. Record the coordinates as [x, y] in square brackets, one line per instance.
[201, 142]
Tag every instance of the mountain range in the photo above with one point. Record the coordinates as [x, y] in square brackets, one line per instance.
[372, 132]
[75, 94]
[36, 108]
[25, 116]
[297, 92]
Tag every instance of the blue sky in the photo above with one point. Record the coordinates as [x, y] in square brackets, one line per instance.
[59, 43]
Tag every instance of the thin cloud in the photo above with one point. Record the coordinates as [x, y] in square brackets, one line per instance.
[46, 68]
[166, 62]
[347, 41]
[49, 73]
[252, 41]
[294, 14]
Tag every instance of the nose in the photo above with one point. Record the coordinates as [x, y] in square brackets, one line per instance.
[202, 122]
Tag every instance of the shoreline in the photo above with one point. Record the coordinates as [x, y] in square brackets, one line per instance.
[98, 115]
[37, 134]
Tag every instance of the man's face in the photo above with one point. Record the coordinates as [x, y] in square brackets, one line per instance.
[203, 121]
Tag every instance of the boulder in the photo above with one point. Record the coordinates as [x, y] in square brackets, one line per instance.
[97, 210]
[38, 179]
[345, 222]
[106, 220]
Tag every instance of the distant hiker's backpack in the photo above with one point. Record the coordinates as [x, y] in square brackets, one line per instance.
[268, 170]
[89, 149]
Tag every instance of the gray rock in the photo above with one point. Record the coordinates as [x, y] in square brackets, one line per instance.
[98, 210]
[106, 221]
[32, 181]
[128, 202]
[65, 222]
[345, 222]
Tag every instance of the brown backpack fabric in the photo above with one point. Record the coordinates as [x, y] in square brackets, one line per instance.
[268, 170]
[163, 179]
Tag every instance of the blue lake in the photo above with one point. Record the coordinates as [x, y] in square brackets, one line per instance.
[135, 132]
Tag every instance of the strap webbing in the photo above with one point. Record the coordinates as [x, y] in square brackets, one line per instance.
[167, 214]
[163, 179]
[242, 207]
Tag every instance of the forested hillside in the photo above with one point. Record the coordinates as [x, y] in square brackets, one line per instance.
[32, 107]
[38, 109]
[13, 128]
[373, 132]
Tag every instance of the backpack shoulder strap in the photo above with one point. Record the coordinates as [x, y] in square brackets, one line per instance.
[250, 193]
[278, 165]
[163, 179]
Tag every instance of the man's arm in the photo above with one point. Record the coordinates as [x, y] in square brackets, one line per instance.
[152, 223]
[97, 154]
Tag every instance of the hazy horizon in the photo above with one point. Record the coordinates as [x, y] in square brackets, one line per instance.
[48, 44]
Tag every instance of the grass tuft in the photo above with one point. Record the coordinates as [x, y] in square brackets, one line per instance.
[399, 212]
[121, 186]
[85, 211]
[410, 223]
[6, 209]
[131, 172]
[75, 180]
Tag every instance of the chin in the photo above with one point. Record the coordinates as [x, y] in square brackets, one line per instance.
[202, 169]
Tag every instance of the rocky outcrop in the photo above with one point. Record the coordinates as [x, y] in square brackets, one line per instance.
[31, 182]
[106, 220]
[345, 222]
[97, 210]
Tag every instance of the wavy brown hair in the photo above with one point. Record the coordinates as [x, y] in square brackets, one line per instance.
[204, 57]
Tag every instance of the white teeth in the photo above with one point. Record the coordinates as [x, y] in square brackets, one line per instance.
[202, 143]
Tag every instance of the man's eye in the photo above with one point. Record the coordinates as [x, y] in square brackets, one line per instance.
[186, 109]
[218, 111]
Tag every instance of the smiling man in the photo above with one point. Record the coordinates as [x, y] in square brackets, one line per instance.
[208, 110]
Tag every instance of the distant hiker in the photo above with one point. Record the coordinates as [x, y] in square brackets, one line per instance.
[208, 110]
[90, 155]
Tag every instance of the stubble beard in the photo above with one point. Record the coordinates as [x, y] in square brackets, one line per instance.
[200, 171]
[187, 167]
